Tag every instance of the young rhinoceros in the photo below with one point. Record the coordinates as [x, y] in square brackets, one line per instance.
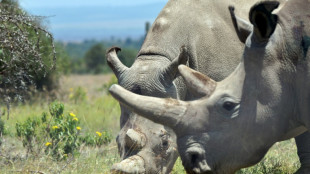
[266, 99]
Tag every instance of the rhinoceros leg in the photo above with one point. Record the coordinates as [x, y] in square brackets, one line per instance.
[303, 151]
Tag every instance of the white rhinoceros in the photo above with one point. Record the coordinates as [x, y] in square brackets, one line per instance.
[266, 99]
[206, 31]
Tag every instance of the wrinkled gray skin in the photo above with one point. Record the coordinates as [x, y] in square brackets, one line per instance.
[204, 29]
[265, 100]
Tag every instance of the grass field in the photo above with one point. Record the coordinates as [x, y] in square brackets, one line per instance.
[99, 111]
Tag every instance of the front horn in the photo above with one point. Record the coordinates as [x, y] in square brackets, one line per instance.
[113, 61]
[133, 164]
[165, 111]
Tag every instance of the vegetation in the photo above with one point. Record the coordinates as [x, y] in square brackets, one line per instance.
[98, 112]
[95, 152]
[75, 134]
[58, 134]
[91, 57]
[27, 51]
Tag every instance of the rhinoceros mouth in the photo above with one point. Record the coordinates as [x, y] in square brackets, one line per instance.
[194, 159]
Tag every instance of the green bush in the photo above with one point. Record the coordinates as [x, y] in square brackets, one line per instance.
[98, 139]
[27, 131]
[63, 131]
[57, 133]
[27, 52]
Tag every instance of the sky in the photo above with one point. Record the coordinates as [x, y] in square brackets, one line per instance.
[77, 20]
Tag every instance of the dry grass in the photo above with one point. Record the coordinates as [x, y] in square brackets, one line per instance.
[92, 83]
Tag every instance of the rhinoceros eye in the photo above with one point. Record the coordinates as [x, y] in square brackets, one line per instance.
[229, 105]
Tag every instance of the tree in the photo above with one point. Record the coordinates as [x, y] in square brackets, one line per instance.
[26, 51]
[127, 56]
[95, 58]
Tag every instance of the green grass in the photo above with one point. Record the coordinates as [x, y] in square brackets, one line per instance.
[90, 160]
[98, 114]
[281, 159]
[95, 115]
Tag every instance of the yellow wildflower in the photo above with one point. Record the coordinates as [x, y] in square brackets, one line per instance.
[78, 128]
[55, 127]
[72, 114]
[75, 119]
[99, 134]
[47, 144]
[71, 89]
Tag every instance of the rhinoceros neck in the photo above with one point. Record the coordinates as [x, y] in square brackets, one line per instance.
[294, 19]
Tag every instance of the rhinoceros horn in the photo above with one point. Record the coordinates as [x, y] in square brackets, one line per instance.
[134, 139]
[197, 83]
[133, 164]
[171, 70]
[114, 62]
[165, 111]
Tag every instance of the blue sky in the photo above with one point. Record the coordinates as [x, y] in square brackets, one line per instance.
[75, 20]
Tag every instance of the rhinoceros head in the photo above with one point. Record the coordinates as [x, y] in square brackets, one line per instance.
[146, 146]
[237, 120]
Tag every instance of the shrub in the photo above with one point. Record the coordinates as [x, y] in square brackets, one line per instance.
[57, 133]
[27, 131]
[98, 139]
[63, 131]
[27, 51]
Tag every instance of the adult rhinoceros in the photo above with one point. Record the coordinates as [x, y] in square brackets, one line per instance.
[205, 30]
[266, 99]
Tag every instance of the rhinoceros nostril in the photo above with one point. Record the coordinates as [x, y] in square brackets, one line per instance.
[194, 158]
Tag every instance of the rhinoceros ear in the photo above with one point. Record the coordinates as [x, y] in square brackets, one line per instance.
[170, 72]
[199, 84]
[114, 63]
[263, 20]
[243, 28]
